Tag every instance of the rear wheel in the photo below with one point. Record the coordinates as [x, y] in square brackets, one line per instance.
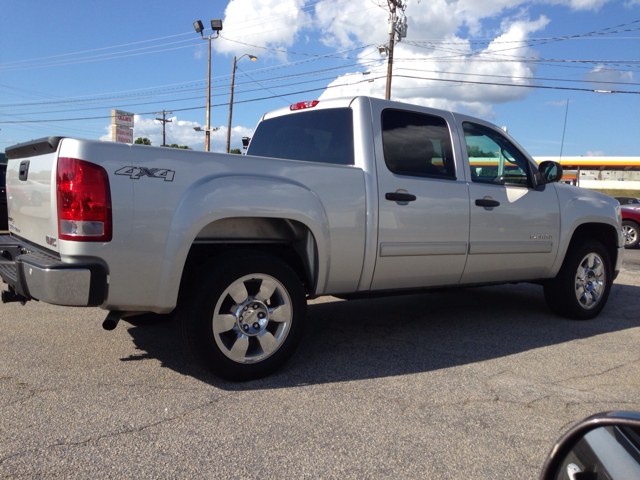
[631, 234]
[581, 288]
[245, 315]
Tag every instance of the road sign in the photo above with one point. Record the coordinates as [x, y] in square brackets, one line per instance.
[124, 119]
[121, 134]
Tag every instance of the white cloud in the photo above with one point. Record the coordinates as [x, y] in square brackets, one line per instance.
[437, 24]
[586, 4]
[199, 52]
[601, 78]
[265, 23]
[182, 132]
[357, 22]
[424, 75]
[595, 153]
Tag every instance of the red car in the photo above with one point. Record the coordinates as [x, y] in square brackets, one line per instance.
[631, 225]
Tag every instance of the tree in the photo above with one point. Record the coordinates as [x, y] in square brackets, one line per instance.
[175, 145]
[235, 150]
[475, 152]
[142, 141]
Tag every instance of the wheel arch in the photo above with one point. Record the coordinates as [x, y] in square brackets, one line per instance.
[247, 211]
[604, 233]
[290, 240]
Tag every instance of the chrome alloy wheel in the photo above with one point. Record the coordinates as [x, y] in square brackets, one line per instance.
[630, 234]
[590, 281]
[252, 318]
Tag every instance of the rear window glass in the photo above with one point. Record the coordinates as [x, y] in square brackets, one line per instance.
[323, 136]
[417, 144]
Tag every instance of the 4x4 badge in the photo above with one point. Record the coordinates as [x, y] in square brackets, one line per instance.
[136, 172]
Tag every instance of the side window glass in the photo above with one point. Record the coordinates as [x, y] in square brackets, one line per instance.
[493, 158]
[417, 144]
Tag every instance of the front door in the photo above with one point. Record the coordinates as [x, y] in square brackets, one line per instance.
[514, 230]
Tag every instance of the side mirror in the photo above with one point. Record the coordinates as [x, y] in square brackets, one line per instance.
[550, 171]
[604, 446]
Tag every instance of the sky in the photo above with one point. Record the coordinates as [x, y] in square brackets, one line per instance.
[544, 69]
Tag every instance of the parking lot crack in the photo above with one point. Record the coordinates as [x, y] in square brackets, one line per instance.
[22, 386]
[597, 374]
[126, 431]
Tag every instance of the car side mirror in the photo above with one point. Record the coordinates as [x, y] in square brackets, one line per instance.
[604, 446]
[550, 171]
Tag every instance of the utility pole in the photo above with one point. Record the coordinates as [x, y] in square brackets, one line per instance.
[398, 31]
[233, 77]
[164, 121]
[392, 35]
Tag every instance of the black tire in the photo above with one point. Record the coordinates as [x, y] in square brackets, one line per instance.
[254, 332]
[631, 233]
[581, 288]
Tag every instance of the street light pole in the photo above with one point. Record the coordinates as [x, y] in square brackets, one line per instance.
[233, 77]
[207, 137]
[216, 26]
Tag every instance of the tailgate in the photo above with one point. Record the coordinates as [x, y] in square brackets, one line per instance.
[31, 191]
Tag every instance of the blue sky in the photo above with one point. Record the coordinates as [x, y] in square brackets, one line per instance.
[78, 60]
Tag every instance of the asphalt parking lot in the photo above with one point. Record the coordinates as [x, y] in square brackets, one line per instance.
[475, 383]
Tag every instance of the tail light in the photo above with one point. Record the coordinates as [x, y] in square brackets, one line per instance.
[84, 201]
[301, 105]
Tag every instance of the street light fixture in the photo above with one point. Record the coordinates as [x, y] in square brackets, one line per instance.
[233, 76]
[216, 26]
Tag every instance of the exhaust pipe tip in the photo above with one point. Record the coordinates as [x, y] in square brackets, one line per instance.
[111, 322]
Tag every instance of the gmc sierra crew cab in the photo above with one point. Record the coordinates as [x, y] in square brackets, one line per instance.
[349, 197]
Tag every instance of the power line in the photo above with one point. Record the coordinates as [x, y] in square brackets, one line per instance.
[470, 82]
[95, 49]
[110, 99]
[515, 77]
[243, 23]
[336, 55]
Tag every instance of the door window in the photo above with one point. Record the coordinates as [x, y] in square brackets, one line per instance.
[417, 144]
[493, 158]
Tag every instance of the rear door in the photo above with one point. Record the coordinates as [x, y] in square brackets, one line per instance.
[423, 200]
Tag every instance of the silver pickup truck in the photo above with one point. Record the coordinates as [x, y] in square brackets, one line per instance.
[350, 197]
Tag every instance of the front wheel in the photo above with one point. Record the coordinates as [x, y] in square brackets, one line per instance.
[581, 288]
[631, 235]
[245, 315]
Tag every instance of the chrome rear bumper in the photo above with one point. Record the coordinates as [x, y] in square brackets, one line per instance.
[36, 275]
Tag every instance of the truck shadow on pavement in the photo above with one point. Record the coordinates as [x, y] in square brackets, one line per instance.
[393, 336]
